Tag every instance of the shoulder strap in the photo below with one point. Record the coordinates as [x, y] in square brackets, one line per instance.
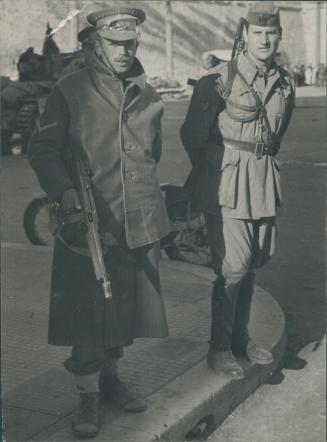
[259, 103]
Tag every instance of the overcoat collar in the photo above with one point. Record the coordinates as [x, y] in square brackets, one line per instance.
[135, 75]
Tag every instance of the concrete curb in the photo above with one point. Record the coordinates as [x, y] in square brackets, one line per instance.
[200, 396]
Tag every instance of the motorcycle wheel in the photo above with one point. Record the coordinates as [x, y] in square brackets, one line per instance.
[36, 222]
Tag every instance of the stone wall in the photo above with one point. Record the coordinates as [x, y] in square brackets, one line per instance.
[199, 26]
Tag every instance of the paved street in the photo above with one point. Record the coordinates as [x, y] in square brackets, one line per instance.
[294, 277]
[294, 410]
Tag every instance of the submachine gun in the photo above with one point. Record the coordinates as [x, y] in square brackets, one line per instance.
[239, 41]
[92, 222]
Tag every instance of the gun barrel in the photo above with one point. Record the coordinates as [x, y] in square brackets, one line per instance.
[91, 220]
[107, 289]
[238, 41]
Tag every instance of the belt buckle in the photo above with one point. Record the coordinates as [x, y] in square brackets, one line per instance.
[259, 149]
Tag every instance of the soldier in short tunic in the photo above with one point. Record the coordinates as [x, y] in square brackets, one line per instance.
[237, 117]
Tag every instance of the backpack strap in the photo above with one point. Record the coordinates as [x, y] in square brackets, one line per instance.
[260, 105]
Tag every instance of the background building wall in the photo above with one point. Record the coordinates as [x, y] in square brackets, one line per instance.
[199, 26]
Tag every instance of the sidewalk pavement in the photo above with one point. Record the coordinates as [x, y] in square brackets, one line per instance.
[39, 400]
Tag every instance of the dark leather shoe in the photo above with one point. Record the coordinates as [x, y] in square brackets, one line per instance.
[223, 363]
[114, 390]
[87, 422]
[257, 354]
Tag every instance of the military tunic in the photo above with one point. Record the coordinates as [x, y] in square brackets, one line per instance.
[254, 190]
[236, 183]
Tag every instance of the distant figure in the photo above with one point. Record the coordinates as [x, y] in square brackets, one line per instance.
[321, 75]
[309, 75]
[298, 74]
[49, 46]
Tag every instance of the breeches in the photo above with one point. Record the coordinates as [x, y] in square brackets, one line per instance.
[237, 248]
[238, 245]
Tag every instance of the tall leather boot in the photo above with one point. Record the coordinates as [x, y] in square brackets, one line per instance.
[220, 358]
[242, 344]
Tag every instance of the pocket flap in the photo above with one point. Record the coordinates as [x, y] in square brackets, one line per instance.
[231, 157]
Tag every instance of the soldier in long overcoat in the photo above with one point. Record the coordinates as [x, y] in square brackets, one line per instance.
[111, 116]
[233, 129]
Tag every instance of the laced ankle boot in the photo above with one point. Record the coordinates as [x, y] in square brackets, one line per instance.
[87, 422]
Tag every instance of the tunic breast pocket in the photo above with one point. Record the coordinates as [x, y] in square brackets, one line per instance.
[277, 108]
[241, 107]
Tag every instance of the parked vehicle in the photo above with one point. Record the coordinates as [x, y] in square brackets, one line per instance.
[23, 101]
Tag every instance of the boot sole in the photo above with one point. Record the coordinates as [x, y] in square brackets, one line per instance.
[82, 434]
[261, 362]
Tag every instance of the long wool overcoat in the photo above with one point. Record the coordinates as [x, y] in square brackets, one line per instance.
[116, 126]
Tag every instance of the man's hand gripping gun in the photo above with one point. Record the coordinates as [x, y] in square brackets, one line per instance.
[92, 222]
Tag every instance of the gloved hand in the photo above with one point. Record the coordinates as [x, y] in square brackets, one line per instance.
[70, 201]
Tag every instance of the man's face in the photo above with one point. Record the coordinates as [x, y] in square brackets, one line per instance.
[119, 54]
[263, 41]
